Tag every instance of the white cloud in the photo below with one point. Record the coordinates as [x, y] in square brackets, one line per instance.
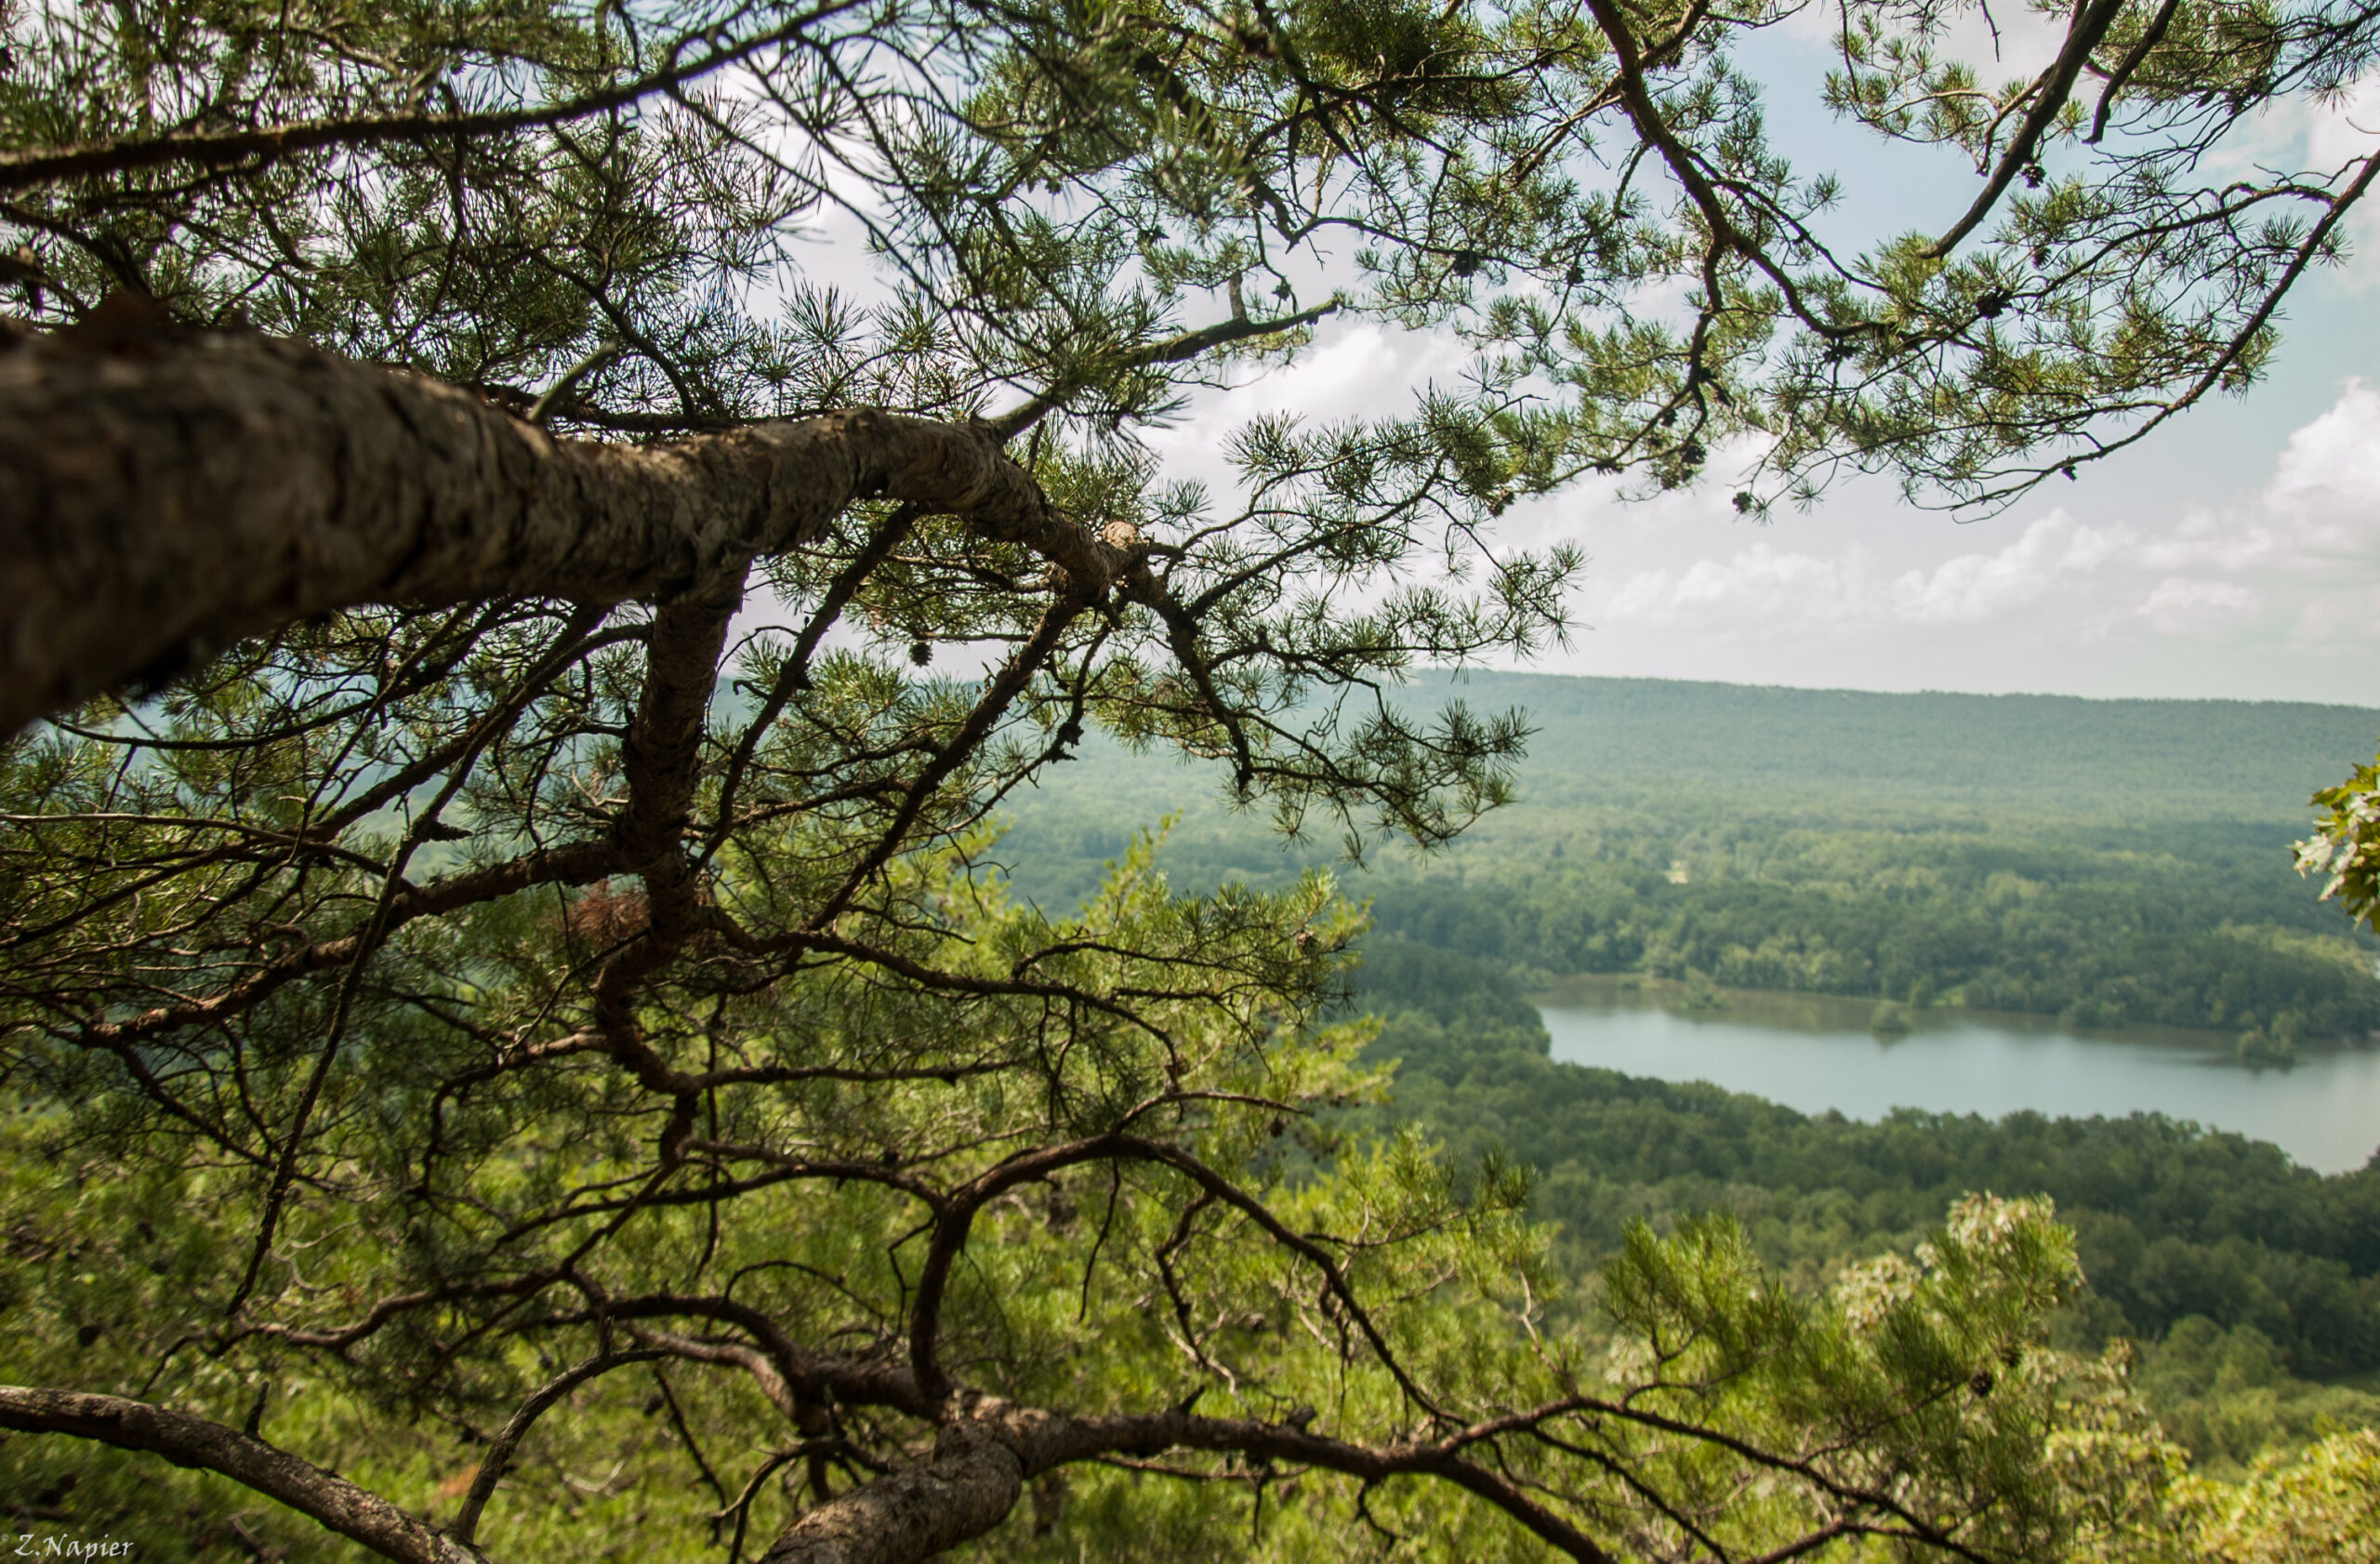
[2292, 566]
[1765, 585]
[2343, 618]
[2054, 551]
[1759, 585]
[2338, 452]
[2180, 605]
[2347, 128]
[2235, 539]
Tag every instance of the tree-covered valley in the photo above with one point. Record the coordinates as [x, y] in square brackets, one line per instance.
[2105, 863]
[2102, 862]
[544, 542]
[2251, 1285]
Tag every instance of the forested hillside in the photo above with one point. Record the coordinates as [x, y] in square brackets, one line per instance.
[2040, 756]
[2194, 924]
[2246, 1277]
[2103, 861]
[1802, 754]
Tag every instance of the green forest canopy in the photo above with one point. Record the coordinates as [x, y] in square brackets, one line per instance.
[472, 1090]
[1772, 753]
[2103, 861]
[2205, 1247]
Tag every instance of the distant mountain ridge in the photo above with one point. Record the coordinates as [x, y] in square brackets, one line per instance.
[1640, 755]
[2228, 759]
[1631, 743]
[2106, 861]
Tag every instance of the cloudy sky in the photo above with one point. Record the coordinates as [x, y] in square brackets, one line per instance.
[2236, 554]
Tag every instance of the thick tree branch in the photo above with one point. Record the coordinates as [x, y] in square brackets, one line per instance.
[981, 1461]
[193, 1441]
[164, 497]
[967, 1489]
[660, 758]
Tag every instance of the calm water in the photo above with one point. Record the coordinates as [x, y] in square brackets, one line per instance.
[1815, 1053]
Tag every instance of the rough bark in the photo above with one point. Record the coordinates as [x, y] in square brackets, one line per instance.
[984, 1457]
[967, 1489]
[164, 494]
[195, 1442]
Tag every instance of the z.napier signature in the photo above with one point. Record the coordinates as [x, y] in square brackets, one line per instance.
[32, 1546]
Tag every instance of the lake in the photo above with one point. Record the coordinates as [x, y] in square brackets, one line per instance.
[1815, 1052]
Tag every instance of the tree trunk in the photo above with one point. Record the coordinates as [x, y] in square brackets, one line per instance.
[165, 494]
[967, 1489]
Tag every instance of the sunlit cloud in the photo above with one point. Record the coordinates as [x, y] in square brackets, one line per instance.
[2287, 569]
[2181, 604]
[1762, 584]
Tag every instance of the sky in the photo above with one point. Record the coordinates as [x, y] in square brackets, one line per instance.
[2234, 554]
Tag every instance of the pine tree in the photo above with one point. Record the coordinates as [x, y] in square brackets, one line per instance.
[537, 539]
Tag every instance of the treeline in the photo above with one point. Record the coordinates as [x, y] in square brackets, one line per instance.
[2174, 1223]
[2101, 861]
[2192, 925]
[1782, 749]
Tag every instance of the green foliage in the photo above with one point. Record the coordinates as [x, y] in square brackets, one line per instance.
[2229, 1397]
[2106, 862]
[2188, 925]
[2324, 1505]
[402, 1006]
[452, 1173]
[2171, 1221]
[2345, 845]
